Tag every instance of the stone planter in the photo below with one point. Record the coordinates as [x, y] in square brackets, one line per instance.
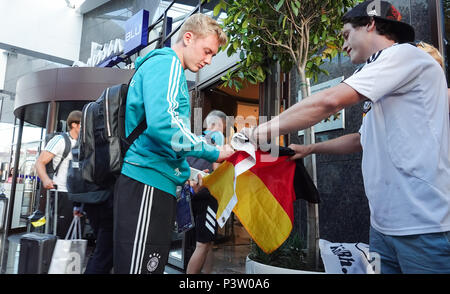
[254, 267]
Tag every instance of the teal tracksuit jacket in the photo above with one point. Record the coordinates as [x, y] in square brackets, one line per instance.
[159, 92]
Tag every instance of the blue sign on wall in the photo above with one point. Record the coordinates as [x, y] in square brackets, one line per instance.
[136, 32]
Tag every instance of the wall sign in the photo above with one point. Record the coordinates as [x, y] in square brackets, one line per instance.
[136, 32]
[114, 52]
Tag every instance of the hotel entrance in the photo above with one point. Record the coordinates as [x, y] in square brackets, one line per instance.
[232, 243]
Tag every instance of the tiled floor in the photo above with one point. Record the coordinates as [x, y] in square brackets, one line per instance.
[226, 258]
[229, 257]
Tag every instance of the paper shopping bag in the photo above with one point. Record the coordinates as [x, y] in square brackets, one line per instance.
[68, 256]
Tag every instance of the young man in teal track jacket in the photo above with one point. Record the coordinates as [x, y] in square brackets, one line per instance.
[155, 164]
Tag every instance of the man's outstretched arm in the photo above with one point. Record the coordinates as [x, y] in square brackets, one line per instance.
[309, 111]
[346, 144]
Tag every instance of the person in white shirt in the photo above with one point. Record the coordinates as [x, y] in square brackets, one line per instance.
[54, 150]
[405, 138]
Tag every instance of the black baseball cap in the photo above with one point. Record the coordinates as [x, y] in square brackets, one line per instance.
[387, 12]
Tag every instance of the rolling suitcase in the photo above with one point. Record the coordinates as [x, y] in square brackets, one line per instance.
[58, 213]
[51, 215]
[51, 212]
[36, 252]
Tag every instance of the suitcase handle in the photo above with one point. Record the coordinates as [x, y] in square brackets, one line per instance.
[47, 212]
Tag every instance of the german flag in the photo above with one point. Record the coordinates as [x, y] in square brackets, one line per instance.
[261, 193]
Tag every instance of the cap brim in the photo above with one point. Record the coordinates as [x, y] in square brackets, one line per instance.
[405, 32]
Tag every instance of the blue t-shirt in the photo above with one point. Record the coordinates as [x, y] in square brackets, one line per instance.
[218, 137]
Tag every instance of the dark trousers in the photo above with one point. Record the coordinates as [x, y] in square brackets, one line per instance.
[100, 218]
[143, 226]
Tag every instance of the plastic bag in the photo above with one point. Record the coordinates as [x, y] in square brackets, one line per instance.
[68, 256]
[185, 217]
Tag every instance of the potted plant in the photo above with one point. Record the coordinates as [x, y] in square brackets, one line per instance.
[295, 34]
[289, 258]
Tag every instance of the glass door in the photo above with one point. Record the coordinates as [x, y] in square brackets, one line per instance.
[27, 181]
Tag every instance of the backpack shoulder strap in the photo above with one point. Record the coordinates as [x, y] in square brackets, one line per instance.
[67, 147]
[137, 132]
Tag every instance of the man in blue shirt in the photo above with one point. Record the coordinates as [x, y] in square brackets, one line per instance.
[204, 205]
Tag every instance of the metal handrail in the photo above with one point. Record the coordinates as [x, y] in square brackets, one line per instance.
[163, 17]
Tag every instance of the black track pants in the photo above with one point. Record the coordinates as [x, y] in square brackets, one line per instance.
[143, 226]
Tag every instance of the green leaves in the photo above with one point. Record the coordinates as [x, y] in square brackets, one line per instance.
[278, 6]
[316, 39]
[294, 8]
[221, 6]
[244, 24]
[236, 44]
[265, 32]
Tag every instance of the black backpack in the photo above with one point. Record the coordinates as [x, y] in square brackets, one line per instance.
[80, 190]
[52, 172]
[102, 136]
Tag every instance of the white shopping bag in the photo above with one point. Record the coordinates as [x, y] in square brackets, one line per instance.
[68, 256]
[348, 258]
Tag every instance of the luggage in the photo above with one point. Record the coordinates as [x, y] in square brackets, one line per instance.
[51, 212]
[58, 213]
[102, 136]
[36, 252]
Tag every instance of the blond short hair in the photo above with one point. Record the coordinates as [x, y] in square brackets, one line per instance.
[433, 51]
[202, 25]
